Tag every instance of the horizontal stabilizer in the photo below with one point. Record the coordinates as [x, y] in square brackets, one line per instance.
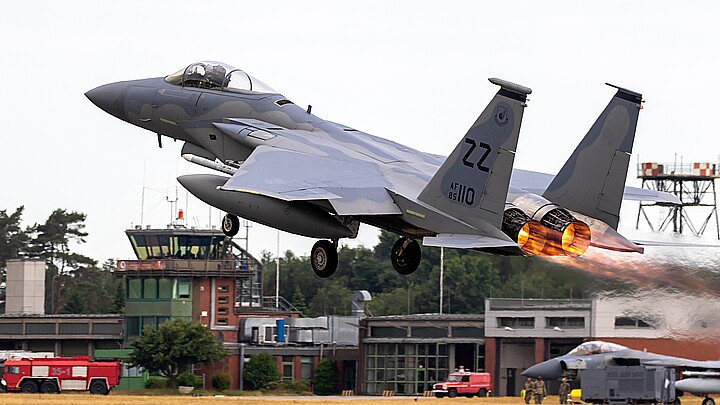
[459, 241]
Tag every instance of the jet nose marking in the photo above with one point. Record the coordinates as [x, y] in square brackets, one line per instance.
[110, 98]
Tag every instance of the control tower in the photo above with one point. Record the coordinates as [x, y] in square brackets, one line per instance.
[693, 184]
[194, 274]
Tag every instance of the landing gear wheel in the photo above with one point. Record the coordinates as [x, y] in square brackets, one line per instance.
[48, 387]
[405, 256]
[230, 225]
[708, 401]
[324, 258]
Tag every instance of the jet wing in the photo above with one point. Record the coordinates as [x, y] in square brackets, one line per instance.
[684, 363]
[536, 182]
[458, 241]
[353, 187]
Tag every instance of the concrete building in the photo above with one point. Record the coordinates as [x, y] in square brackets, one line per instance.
[25, 287]
[522, 332]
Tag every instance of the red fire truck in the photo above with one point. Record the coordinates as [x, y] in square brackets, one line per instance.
[58, 374]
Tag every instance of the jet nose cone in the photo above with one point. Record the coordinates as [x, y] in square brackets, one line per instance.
[110, 98]
[549, 370]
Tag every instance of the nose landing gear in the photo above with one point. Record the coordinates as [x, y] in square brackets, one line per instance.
[230, 225]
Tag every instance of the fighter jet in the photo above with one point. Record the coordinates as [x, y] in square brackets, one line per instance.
[286, 168]
[704, 375]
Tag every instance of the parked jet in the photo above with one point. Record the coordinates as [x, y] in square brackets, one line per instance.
[293, 171]
[705, 375]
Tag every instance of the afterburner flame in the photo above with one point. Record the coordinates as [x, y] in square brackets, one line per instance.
[532, 237]
[655, 268]
[576, 239]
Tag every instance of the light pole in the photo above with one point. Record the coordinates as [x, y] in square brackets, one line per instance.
[442, 271]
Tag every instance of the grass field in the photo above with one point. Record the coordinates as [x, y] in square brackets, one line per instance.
[83, 399]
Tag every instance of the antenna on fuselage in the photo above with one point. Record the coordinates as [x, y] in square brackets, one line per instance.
[309, 108]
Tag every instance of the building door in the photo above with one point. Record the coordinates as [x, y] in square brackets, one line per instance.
[465, 356]
[349, 374]
[510, 389]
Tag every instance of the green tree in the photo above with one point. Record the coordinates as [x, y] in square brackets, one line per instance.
[174, 346]
[51, 241]
[298, 301]
[75, 304]
[326, 376]
[13, 239]
[261, 370]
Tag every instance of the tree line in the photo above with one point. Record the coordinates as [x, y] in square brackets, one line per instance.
[79, 284]
[74, 283]
[469, 278]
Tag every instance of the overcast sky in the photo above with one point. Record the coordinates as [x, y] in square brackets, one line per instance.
[411, 71]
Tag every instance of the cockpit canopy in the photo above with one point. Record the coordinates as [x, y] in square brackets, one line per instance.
[596, 347]
[217, 76]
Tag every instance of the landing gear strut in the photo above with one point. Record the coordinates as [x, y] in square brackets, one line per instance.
[230, 225]
[324, 258]
[405, 256]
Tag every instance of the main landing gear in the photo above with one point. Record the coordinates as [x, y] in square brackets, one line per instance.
[230, 225]
[324, 258]
[405, 257]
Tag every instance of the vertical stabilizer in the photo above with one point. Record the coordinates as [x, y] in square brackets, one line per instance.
[472, 184]
[592, 181]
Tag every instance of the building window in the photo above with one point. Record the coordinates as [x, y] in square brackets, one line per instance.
[150, 289]
[223, 300]
[222, 321]
[516, 322]
[134, 288]
[306, 368]
[184, 289]
[407, 369]
[222, 311]
[133, 326]
[632, 322]
[223, 288]
[288, 366]
[165, 288]
[566, 322]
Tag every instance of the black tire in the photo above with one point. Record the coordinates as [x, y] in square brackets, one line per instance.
[708, 401]
[98, 387]
[48, 387]
[324, 258]
[405, 256]
[482, 393]
[452, 393]
[230, 225]
[439, 395]
[29, 387]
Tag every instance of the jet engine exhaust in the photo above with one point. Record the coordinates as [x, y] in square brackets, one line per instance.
[529, 234]
[574, 235]
[564, 234]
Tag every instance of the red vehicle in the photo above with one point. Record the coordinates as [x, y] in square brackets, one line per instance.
[464, 383]
[58, 374]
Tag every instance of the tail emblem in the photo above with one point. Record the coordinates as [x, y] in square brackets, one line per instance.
[501, 116]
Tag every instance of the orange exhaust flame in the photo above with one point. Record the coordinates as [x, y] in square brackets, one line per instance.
[576, 239]
[532, 237]
[654, 269]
